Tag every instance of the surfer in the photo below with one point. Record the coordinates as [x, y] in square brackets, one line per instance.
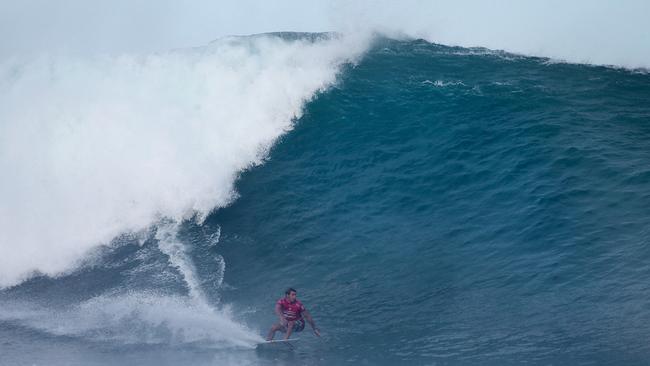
[290, 311]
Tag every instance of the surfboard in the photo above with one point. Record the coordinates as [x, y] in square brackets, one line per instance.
[280, 340]
[277, 342]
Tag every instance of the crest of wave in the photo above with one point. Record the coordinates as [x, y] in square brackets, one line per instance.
[92, 147]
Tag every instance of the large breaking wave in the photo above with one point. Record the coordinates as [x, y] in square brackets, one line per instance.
[98, 146]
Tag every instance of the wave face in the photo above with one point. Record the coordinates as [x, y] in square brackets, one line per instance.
[435, 205]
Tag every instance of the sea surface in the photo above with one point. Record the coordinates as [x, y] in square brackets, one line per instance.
[432, 205]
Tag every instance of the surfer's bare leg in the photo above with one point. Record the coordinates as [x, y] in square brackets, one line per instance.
[274, 329]
[289, 329]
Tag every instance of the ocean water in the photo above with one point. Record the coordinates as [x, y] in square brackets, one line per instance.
[432, 205]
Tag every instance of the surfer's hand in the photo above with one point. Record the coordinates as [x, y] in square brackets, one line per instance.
[317, 331]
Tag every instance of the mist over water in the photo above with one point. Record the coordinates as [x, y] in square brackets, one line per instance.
[599, 32]
[581, 31]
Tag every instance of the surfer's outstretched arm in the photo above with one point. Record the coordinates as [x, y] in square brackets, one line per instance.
[311, 322]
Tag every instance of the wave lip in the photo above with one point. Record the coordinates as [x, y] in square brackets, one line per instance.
[95, 147]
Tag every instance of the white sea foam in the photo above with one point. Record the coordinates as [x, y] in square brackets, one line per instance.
[442, 84]
[137, 318]
[94, 147]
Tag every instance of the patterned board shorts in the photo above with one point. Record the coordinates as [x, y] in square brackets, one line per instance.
[298, 325]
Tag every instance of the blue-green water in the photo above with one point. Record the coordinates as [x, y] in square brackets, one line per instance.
[437, 205]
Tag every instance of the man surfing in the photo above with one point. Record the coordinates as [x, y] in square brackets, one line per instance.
[290, 311]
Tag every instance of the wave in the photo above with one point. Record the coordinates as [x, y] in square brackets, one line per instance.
[94, 147]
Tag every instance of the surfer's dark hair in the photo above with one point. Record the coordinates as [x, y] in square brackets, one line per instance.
[290, 290]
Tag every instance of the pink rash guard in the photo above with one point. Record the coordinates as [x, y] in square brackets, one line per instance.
[291, 311]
